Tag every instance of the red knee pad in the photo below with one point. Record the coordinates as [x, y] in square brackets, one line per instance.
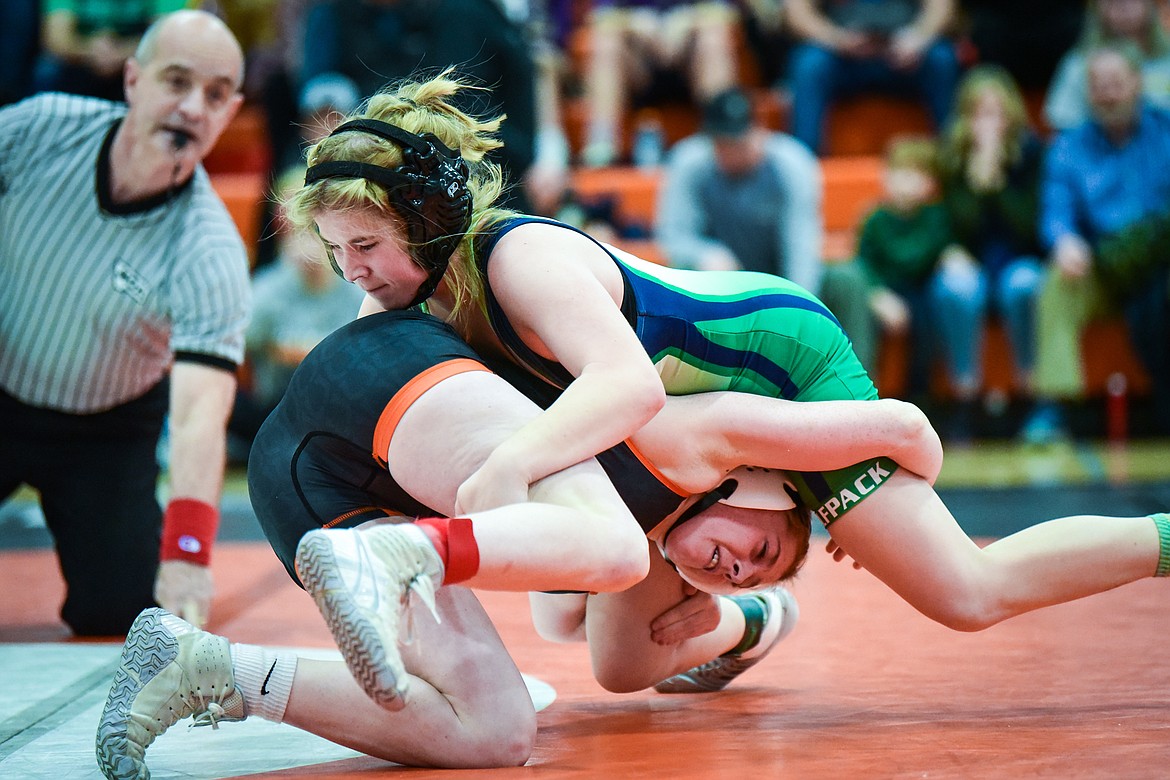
[454, 539]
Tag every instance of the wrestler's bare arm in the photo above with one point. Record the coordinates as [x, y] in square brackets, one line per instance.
[696, 439]
[572, 532]
[564, 307]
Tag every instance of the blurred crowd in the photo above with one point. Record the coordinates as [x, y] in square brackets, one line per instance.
[1040, 198]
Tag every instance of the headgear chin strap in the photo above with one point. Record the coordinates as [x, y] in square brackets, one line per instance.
[429, 191]
[748, 487]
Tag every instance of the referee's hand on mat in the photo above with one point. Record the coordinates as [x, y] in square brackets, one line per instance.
[185, 589]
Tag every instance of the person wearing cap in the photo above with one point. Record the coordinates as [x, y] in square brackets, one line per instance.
[322, 104]
[738, 196]
[387, 416]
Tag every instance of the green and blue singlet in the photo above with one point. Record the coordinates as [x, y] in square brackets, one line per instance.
[736, 331]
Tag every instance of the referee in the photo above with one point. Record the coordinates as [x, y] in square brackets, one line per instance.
[124, 295]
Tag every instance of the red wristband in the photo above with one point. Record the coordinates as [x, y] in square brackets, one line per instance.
[189, 527]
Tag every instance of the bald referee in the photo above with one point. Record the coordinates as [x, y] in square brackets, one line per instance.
[124, 295]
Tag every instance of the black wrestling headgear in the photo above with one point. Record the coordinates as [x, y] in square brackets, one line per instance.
[429, 191]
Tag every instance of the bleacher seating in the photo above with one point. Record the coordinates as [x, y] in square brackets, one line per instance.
[244, 146]
[864, 125]
[244, 194]
[239, 167]
[852, 185]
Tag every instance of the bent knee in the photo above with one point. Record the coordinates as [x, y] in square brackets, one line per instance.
[510, 734]
[619, 672]
[615, 679]
[556, 629]
[629, 667]
[617, 557]
[492, 748]
[491, 736]
[504, 747]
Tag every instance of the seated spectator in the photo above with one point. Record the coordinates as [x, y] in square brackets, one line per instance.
[1105, 218]
[847, 47]
[86, 45]
[766, 38]
[639, 47]
[1137, 21]
[19, 35]
[1027, 39]
[898, 249]
[737, 196]
[298, 300]
[547, 179]
[991, 175]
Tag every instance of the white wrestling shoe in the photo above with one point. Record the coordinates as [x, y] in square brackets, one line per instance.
[170, 669]
[780, 615]
[362, 581]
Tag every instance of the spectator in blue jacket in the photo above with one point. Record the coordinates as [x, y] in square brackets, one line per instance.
[1105, 219]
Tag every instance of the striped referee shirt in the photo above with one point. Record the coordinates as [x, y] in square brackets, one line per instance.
[95, 298]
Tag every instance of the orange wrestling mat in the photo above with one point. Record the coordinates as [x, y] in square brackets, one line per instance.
[865, 687]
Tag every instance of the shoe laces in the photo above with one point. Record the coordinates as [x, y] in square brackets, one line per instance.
[215, 712]
[423, 587]
[210, 716]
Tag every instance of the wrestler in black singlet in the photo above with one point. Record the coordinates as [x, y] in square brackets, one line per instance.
[313, 462]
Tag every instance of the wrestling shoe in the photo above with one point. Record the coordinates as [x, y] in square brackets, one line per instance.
[362, 581]
[170, 669]
[779, 616]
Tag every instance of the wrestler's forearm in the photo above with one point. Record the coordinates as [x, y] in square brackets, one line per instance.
[826, 435]
[600, 409]
[695, 436]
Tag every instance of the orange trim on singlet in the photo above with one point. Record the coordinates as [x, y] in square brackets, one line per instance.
[411, 392]
[670, 484]
[360, 511]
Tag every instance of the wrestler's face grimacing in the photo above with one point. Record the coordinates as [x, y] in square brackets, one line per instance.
[726, 549]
